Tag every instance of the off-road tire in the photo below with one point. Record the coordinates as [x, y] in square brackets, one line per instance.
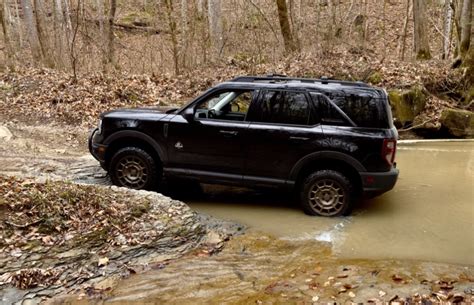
[134, 168]
[327, 193]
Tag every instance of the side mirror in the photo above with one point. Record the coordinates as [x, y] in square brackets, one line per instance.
[188, 114]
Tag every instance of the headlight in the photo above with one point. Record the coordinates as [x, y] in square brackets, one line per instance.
[99, 129]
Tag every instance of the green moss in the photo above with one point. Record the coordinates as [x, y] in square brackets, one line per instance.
[375, 78]
[94, 238]
[469, 96]
[407, 104]
[459, 123]
[138, 210]
[138, 19]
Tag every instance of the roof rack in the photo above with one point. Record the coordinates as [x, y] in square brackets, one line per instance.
[282, 78]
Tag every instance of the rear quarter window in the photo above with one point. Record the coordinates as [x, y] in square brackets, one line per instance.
[364, 111]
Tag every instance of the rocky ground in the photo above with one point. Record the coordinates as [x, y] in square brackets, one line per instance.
[60, 237]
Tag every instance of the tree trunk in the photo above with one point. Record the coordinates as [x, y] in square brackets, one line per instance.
[110, 57]
[403, 36]
[466, 26]
[42, 35]
[6, 37]
[215, 25]
[200, 7]
[100, 17]
[469, 65]
[184, 30]
[448, 21]
[288, 39]
[174, 34]
[422, 47]
[31, 30]
[60, 28]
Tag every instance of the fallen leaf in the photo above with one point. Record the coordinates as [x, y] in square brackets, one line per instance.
[397, 278]
[103, 261]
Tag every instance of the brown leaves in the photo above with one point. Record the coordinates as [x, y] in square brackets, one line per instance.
[83, 228]
[30, 278]
[50, 95]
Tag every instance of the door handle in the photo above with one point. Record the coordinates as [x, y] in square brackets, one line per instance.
[299, 139]
[228, 133]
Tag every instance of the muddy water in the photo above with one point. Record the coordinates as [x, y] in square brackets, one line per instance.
[428, 216]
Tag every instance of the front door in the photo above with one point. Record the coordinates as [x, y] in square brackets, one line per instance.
[211, 144]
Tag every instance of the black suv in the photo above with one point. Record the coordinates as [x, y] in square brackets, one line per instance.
[331, 141]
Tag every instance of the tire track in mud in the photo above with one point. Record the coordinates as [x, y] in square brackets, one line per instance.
[79, 169]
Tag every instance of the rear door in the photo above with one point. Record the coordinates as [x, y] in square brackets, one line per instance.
[283, 129]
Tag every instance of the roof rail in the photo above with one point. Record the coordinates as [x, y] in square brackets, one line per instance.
[280, 78]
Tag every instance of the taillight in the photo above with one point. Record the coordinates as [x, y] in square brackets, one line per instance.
[388, 150]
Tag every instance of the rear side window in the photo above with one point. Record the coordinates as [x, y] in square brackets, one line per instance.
[327, 114]
[284, 107]
[364, 111]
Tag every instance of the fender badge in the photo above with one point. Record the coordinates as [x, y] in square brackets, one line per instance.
[178, 145]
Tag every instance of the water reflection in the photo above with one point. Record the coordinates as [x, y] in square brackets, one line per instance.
[428, 216]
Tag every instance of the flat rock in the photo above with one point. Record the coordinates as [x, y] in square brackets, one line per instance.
[5, 134]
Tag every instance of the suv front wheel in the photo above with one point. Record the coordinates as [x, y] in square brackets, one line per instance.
[326, 193]
[134, 168]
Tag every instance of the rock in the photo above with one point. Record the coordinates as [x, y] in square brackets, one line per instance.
[212, 237]
[407, 104]
[422, 124]
[459, 123]
[5, 134]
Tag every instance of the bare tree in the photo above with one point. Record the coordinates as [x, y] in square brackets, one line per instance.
[403, 36]
[174, 34]
[466, 27]
[110, 57]
[200, 7]
[448, 21]
[6, 36]
[422, 46]
[42, 35]
[31, 30]
[215, 25]
[290, 45]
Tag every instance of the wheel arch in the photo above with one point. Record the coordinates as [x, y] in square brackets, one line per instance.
[126, 138]
[328, 160]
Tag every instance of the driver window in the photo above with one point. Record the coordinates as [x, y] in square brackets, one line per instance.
[227, 105]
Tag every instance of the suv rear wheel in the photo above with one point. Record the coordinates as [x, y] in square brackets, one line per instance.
[326, 193]
[134, 168]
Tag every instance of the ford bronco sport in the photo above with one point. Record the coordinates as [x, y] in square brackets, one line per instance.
[329, 140]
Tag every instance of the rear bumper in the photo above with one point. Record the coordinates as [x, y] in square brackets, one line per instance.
[96, 150]
[377, 183]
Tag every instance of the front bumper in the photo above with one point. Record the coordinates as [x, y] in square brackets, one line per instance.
[377, 182]
[97, 150]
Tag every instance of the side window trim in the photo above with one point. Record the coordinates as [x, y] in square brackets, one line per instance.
[253, 104]
[339, 110]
